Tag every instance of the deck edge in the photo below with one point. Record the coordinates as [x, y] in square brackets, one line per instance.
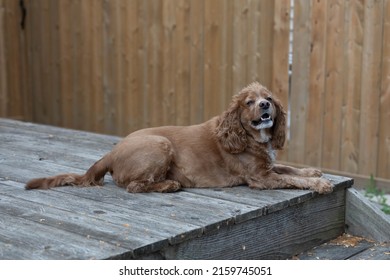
[365, 219]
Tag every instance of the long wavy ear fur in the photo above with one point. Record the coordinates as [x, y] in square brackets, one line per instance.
[230, 132]
[279, 127]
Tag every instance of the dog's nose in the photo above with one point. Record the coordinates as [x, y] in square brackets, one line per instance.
[264, 104]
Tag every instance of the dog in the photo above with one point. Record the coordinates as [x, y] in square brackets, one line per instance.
[236, 148]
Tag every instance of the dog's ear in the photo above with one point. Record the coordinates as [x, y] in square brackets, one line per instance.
[229, 131]
[279, 127]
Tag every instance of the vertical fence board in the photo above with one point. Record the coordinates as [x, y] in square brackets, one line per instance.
[86, 63]
[196, 60]
[65, 17]
[42, 55]
[154, 58]
[169, 49]
[110, 61]
[54, 88]
[384, 127]
[213, 41]
[16, 101]
[97, 66]
[264, 41]
[280, 44]
[123, 65]
[21, 58]
[240, 44]
[39, 108]
[280, 64]
[226, 91]
[299, 80]
[76, 72]
[254, 27]
[370, 86]
[333, 83]
[353, 45]
[119, 77]
[12, 48]
[3, 62]
[132, 72]
[317, 74]
[26, 59]
[144, 17]
[126, 26]
[182, 68]
[44, 73]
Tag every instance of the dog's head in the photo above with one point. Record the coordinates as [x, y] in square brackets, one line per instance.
[254, 112]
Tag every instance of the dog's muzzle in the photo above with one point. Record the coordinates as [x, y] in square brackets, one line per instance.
[265, 121]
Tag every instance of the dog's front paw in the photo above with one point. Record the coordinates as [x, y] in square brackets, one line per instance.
[323, 186]
[311, 172]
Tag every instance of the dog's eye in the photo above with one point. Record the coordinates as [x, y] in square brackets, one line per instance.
[250, 102]
[269, 98]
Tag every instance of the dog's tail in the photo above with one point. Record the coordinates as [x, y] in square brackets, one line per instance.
[93, 177]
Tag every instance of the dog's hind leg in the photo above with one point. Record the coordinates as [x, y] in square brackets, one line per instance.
[141, 164]
[145, 186]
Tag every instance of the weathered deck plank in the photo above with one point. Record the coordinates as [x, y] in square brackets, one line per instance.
[347, 247]
[377, 252]
[53, 131]
[276, 235]
[46, 242]
[107, 222]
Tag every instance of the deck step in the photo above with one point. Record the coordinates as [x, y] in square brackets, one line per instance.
[109, 223]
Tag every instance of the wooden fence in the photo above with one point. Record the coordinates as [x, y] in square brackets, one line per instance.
[117, 66]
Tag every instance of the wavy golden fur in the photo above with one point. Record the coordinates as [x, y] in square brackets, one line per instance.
[238, 147]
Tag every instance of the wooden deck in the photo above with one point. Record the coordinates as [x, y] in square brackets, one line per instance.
[109, 223]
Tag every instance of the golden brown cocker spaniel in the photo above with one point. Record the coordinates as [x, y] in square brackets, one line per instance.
[235, 148]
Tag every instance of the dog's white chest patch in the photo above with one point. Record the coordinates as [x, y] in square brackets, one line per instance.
[264, 137]
[271, 152]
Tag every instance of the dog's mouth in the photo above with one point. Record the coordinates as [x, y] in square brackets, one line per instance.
[265, 121]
